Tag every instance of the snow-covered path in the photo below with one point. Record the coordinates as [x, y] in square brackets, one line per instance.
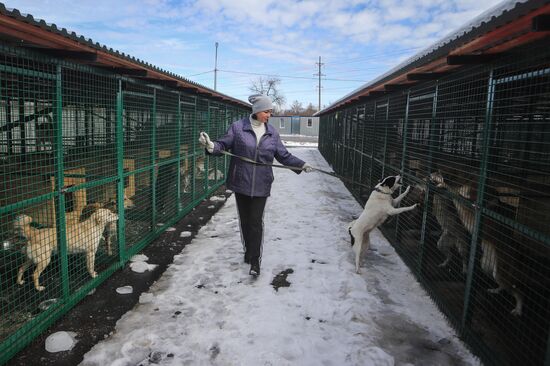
[206, 310]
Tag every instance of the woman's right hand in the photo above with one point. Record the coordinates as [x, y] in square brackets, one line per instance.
[205, 141]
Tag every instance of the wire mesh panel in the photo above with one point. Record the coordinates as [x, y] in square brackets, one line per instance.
[201, 164]
[380, 135]
[93, 166]
[189, 135]
[139, 158]
[167, 153]
[475, 146]
[514, 229]
[28, 191]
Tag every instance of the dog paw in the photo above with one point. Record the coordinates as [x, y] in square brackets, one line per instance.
[93, 274]
[516, 312]
[40, 288]
[21, 282]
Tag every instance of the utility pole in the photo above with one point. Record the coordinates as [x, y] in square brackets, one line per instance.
[216, 68]
[319, 86]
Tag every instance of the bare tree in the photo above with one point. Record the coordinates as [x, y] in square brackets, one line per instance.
[268, 86]
[310, 110]
[296, 108]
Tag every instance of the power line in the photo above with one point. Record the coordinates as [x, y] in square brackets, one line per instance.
[286, 76]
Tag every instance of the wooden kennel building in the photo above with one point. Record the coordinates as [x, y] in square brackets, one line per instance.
[84, 126]
[467, 124]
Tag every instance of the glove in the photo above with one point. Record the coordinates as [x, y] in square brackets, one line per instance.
[307, 168]
[204, 140]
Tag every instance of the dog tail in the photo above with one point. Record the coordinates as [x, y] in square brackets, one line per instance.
[351, 236]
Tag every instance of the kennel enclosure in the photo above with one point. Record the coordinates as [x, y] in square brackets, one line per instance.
[84, 127]
[467, 124]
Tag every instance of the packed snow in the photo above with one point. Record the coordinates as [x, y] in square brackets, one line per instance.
[308, 306]
[60, 341]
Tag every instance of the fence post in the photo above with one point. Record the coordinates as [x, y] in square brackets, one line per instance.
[121, 233]
[431, 141]
[153, 161]
[480, 197]
[59, 200]
[178, 154]
[194, 149]
[385, 138]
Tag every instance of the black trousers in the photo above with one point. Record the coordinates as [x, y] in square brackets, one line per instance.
[251, 217]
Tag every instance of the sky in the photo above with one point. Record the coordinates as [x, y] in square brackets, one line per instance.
[206, 310]
[357, 40]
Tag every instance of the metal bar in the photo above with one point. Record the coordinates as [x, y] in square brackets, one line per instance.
[59, 184]
[422, 243]
[194, 144]
[141, 95]
[178, 154]
[153, 175]
[119, 138]
[481, 192]
[526, 75]
[25, 203]
[27, 72]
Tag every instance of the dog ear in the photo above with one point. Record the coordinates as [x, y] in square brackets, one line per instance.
[97, 217]
[388, 182]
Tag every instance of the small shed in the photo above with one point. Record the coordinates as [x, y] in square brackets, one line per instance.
[296, 125]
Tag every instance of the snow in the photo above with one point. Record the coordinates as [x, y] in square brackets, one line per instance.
[139, 258]
[289, 143]
[217, 198]
[60, 341]
[124, 290]
[207, 310]
[185, 234]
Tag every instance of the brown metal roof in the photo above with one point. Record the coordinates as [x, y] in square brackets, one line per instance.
[24, 30]
[502, 28]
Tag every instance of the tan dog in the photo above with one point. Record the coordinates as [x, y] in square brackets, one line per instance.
[110, 228]
[494, 261]
[83, 237]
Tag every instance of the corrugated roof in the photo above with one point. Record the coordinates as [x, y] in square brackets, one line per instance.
[499, 15]
[63, 32]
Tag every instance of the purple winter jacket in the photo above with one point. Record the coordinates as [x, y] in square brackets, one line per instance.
[246, 178]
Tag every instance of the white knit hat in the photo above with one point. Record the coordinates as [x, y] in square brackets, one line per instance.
[260, 103]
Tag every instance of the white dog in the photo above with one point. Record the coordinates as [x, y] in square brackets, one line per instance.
[379, 206]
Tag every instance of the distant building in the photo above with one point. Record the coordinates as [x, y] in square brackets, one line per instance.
[296, 125]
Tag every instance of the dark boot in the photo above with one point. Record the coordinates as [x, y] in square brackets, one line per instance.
[254, 268]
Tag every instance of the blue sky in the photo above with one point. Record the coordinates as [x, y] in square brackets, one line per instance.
[357, 40]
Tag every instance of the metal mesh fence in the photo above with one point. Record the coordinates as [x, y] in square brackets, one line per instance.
[475, 147]
[93, 166]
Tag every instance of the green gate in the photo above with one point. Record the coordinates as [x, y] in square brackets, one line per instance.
[475, 147]
[78, 145]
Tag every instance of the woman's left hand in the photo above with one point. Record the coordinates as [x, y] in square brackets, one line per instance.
[307, 168]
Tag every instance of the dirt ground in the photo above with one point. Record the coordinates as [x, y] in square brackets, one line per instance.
[96, 315]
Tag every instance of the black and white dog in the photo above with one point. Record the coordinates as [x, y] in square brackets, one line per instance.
[379, 206]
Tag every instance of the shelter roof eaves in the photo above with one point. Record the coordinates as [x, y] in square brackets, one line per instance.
[499, 15]
[89, 43]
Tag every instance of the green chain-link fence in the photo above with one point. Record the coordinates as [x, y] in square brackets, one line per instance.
[78, 147]
[475, 145]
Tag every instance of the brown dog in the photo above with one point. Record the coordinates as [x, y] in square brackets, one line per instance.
[81, 237]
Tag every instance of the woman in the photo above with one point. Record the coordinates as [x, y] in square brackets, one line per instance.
[253, 138]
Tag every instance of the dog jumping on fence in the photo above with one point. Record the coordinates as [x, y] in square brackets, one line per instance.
[378, 208]
[83, 237]
[453, 232]
[494, 262]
